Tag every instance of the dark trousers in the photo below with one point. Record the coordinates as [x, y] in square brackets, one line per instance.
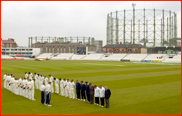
[97, 100]
[83, 94]
[107, 103]
[42, 97]
[88, 97]
[78, 94]
[48, 98]
[91, 99]
[102, 101]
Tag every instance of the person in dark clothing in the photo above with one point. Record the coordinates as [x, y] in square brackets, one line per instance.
[91, 89]
[107, 96]
[42, 89]
[78, 87]
[87, 92]
[83, 91]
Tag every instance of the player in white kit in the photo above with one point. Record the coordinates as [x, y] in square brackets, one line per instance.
[56, 81]
[72, 90]
[67, 88]
[4, 79]
[19, 86]
[30, 75]
[16, 82]
[39, 80]
[42, 79]
[24, 87]
[31, 90]
[64, 87]
[61, 87]
[46, 80]
[27, 89]
[12, 84]
[51, 79]
[36, 80]
[26, 75]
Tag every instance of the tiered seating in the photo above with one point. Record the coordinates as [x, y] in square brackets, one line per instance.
[155, 57]
[63, 56]
[114, 57]
[176, 58]
[93, 57]
[77, 57]
[135, 57]
[45, 55]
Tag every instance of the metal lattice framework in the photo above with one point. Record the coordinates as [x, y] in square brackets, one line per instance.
[48, 39]
[149, 27]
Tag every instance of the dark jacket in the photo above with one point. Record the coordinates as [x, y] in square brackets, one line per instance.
[87, 89]
[91, 90]
[107, 94]
[83, 87]
[77, 86]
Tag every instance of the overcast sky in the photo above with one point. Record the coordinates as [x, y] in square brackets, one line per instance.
[20, 20]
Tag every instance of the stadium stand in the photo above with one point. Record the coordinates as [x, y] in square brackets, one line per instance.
[5, 56]
[93, 57]
[63, 56]
[176, 58]
[77, 57]
[135, 57]
[105, 57]
[155, 57]
[113, 57]
[45, 55]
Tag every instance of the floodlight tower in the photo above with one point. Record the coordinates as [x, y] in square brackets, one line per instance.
[133, 5]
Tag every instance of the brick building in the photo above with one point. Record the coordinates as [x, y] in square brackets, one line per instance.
[10, 43]
[124, 48]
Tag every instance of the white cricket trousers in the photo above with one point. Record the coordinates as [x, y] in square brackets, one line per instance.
[31, 94]
[7, 85]
[67, 92]
[13, 89]
[57, 88]
[4, 84]
[24, 92]
[39, 84]
[16, 90]
[72, 93]
[20, 91]
[36, 84]
[63, 91]
[52, 88]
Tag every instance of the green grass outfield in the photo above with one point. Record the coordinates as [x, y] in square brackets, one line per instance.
[137, 88]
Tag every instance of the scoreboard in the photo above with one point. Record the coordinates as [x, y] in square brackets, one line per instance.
[81, 50]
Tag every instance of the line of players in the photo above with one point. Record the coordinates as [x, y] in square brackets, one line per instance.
[66, 86]
[19, 86]
[25, 88]
[67, 89]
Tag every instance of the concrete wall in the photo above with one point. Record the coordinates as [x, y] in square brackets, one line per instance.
[143, 50]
